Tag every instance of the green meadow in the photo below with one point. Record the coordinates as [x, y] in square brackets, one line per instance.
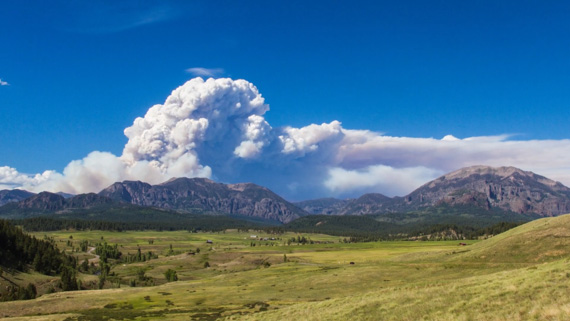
[523, 274]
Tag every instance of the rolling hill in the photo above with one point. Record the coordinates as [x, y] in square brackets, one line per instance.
[539, 241]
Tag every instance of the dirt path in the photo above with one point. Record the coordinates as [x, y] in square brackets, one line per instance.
[94, 260]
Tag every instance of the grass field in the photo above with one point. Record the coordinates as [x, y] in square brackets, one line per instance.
[523, 274]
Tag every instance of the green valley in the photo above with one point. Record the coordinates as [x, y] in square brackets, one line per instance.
[521, 274]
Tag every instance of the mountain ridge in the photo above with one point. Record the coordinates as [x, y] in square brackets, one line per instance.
[13, 195]
[507, 188]
[205, 195]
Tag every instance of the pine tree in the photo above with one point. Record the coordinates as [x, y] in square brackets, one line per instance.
[68, 280]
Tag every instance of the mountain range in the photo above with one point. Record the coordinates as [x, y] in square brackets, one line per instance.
[201, 195]
[500, 189]
[180, 195]
[506, 188]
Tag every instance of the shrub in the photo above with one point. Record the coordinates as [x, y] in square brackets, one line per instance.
[170, 275]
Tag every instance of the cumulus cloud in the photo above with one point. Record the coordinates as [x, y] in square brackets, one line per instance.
[216, 128]
[205, 72]
[4, 83]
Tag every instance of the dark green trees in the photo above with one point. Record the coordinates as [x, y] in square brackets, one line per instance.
[19, 250]
[68, 280]
[170, 275]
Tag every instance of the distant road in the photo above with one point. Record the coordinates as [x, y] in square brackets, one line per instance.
[94, 260]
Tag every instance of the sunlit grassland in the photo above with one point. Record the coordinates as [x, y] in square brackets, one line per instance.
[523, 274]
[539, 293]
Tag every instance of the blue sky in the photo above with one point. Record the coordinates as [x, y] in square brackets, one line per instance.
[77, 74]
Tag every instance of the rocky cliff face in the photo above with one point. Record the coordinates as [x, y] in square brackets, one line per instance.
[200, 194]
[130, 192]
[13, 195]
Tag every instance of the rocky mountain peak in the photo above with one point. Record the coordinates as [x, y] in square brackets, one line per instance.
[204, 195]
[505, 172]
[43, 201]
[508, 188]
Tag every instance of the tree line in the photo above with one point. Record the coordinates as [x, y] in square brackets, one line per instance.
[368, 229]
[193, 223]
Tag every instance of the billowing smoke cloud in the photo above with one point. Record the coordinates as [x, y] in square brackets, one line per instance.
[216, 128]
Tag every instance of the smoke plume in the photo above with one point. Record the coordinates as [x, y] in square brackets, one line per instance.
[216, 128]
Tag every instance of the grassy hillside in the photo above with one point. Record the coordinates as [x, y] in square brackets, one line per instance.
[522, 274]
[522, 294]
[535, 242]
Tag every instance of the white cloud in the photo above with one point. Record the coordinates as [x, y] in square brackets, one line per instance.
[397, 181]
[205, 72]
[10, 178]
[255, 133]
[308, 138]
[4, 83]
[220, 112]
[216, 128]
